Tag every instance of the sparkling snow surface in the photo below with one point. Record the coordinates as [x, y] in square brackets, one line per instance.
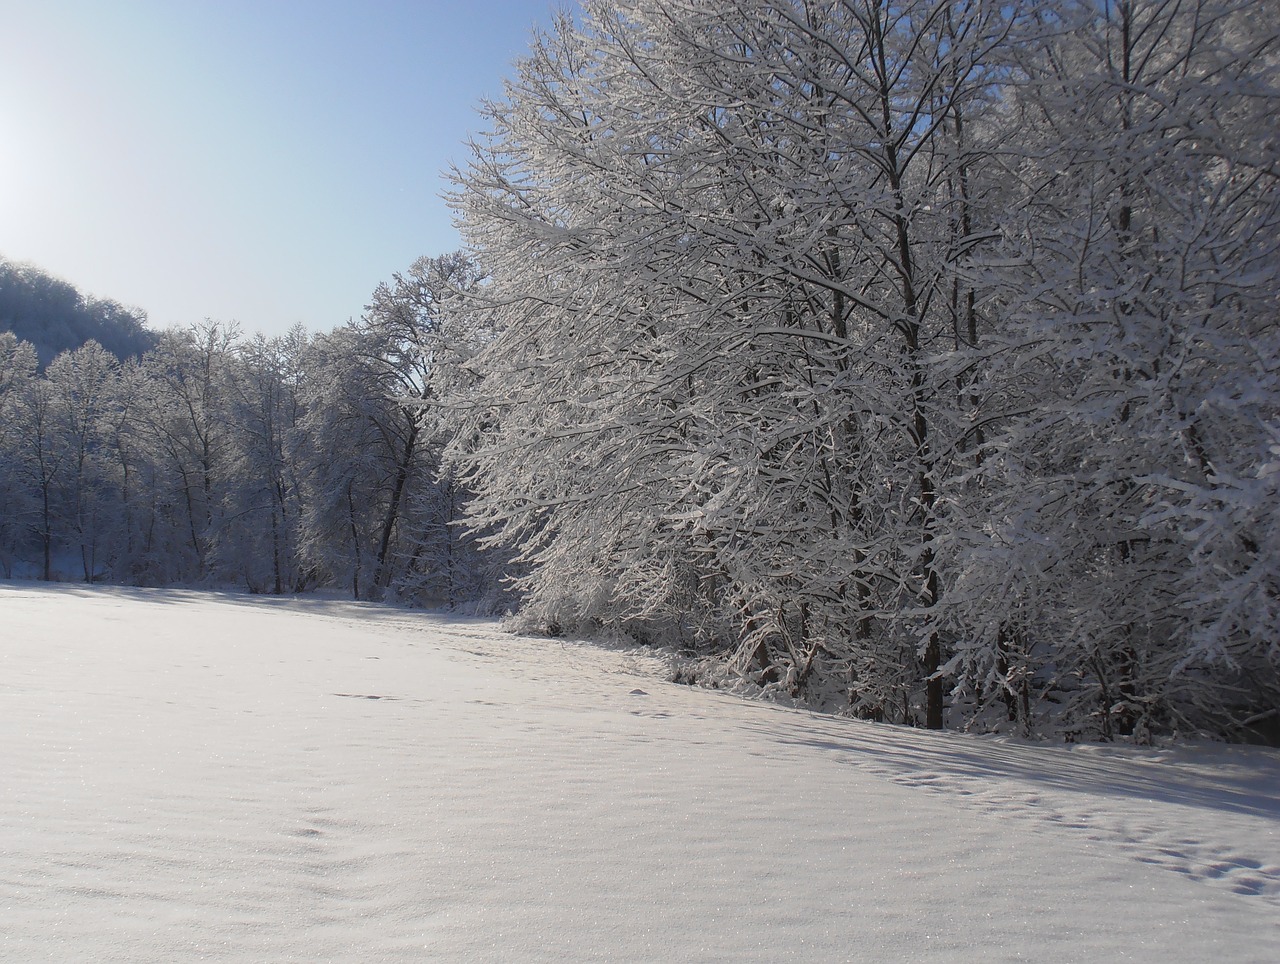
[190, 776]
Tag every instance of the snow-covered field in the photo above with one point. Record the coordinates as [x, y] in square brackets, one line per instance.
[189, 776]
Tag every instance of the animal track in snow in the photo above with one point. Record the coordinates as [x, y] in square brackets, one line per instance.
[1151, 831]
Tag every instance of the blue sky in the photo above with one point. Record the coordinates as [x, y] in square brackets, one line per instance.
[260, 161]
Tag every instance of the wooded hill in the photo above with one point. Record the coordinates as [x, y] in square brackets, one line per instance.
[53, 316]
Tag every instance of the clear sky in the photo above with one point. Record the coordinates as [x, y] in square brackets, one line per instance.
[260, 161]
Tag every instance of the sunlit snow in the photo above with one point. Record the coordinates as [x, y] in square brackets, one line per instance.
[198, 776]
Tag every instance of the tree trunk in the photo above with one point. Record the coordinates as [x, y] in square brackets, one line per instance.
[382, 575]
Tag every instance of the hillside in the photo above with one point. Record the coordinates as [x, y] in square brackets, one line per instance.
[55, 317]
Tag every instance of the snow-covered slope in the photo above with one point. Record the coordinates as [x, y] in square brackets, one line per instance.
[192, 776]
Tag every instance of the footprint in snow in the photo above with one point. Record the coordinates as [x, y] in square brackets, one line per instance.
[362, 696]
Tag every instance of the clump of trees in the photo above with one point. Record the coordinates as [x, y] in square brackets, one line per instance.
[915, 356]
[278, 465]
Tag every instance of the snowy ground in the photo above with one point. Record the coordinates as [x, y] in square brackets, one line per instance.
[192, 776]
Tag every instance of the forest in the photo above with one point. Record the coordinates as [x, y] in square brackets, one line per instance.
[276, 465]
[914, 359]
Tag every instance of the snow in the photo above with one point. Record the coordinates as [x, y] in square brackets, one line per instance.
[200, 776]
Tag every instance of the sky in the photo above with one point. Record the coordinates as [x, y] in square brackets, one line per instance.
[264, 162]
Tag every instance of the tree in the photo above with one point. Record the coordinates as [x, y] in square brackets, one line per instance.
[184, 417]
[18, 367]
[267, 409]
[40, 464]
[80, 388]
[385, 379]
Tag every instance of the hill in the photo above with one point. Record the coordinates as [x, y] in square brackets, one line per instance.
[55, 317]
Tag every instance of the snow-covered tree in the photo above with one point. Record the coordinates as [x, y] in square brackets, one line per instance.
[18, 367]
[266, 409]
[81, 391]
[184, 417]
[1129, 554]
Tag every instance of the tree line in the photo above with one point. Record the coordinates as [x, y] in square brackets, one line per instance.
[273, 464]
[918, 357]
